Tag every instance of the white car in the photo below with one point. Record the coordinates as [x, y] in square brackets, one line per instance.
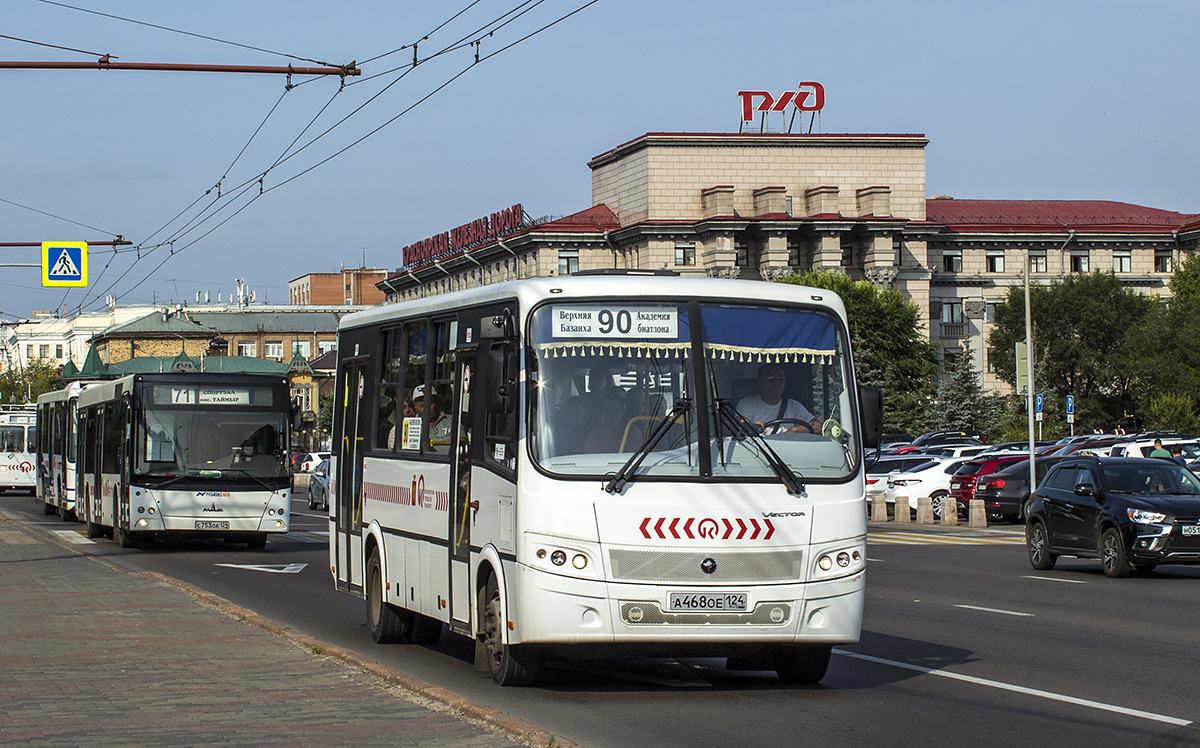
[311, 460]
[1143, 448]
[878, 471]
[931, 478]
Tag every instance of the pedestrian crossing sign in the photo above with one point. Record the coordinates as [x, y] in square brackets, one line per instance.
[64, 264]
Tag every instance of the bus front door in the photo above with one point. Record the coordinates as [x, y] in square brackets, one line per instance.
[464, 508]
[350, 442]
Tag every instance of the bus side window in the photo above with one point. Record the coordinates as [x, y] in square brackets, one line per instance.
[500, 396]
[390, 391]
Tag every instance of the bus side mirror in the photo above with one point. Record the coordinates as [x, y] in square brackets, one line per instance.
[870, 402]
[502, 396]
[499, 327]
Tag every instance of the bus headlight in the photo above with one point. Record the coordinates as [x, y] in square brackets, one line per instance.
[558, 558]
[551, 554]
[142, 522]
[579, 561]
[838, 562]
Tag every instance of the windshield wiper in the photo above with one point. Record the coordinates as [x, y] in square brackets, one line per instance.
[740, 428]
[623, 476]
[257, 479]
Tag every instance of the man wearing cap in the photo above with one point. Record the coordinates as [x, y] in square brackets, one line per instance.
[439, 431]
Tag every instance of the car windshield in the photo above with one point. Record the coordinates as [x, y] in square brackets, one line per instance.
[1151, 477]
[617, 381]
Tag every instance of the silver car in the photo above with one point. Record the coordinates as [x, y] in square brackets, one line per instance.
[318, 486]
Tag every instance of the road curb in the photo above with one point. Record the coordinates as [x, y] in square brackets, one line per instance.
[433, 697]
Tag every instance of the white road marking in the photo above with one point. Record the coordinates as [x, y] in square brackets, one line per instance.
[269, 568]
[1022, 689]
[996, 610]
[73, 536]
[1054, 579]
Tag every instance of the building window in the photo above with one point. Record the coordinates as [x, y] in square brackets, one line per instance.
[952, 261]
[273, 349]
[847, 252]
[991, 355]
[685, 253]
[44, 351]
[1037, 262]
[1162, 262]
[952, 311]
[995, 261]
[301, 347]
[29, 351]
[568, 261]
[58, 351]
[1122, 261]
[1079, 263]
[989, 312]
[325, 346]
[897, 251]
[247, 349]
[741, 254]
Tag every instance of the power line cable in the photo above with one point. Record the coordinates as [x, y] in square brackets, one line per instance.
[263, 191]
[423, 38]
[185, 33]
[55, 46]
[60, 218]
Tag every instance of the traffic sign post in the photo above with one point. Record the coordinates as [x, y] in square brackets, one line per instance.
[1037, 405]
[1071, 413]
[64, 264]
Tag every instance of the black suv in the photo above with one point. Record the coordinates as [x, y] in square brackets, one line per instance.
[1128, 512]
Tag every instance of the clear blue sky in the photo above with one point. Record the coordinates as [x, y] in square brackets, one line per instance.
[1020, 100]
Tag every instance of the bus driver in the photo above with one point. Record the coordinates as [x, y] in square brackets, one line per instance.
[770, 405]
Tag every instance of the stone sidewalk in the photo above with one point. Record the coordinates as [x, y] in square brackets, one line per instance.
[95, 655]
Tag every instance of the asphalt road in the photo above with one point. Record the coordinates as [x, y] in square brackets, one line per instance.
[962, 642]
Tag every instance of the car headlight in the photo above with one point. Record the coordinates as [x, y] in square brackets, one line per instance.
[1143, 517]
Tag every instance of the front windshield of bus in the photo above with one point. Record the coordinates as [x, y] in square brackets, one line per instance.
[234, 432]
[613, 379]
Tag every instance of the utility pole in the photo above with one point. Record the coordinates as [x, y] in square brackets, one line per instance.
[105, 63]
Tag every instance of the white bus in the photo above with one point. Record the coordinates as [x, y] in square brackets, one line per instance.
[557, 467]
[185, 453]
[57, 443]
[18, 447]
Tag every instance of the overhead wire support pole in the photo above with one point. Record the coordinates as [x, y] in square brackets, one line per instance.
[103, 64]
[108, 243]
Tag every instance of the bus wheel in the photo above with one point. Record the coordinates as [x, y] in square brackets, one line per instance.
[124, 538]
[509, 664]
[257, 541]
[802, 663]
[387, 624]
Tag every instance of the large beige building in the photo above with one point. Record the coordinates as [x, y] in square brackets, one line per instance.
[764, 205]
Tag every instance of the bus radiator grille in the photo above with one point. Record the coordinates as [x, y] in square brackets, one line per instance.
[739, 567]
[649, 612]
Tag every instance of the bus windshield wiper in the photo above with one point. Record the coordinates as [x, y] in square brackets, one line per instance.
[625, 474]
[743, 430]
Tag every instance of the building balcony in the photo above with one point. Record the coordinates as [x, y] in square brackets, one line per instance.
[953, 330]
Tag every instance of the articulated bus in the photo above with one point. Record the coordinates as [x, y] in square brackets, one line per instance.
[565, 468]
[57, 442]
[185, 453]
[18, 447]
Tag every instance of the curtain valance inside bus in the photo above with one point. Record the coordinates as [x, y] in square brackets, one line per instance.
[761, 335]
[633, 346]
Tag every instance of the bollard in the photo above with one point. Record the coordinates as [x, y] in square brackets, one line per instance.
[902, 512]
[879, 509]
[949, 511]
[924, 511]
[977, 514]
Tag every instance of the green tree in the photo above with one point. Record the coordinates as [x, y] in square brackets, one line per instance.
[1085, 342]
[24, 384]
[1166, 342]
[960, 401]
[890, 349]
[325, 414]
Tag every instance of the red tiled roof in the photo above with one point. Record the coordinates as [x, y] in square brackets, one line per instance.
[596, 218]
[1052, 215]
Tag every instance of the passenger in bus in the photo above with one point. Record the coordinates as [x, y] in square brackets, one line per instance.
[438, 430]
[615, 433]
[770, 404]
[570, 429]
